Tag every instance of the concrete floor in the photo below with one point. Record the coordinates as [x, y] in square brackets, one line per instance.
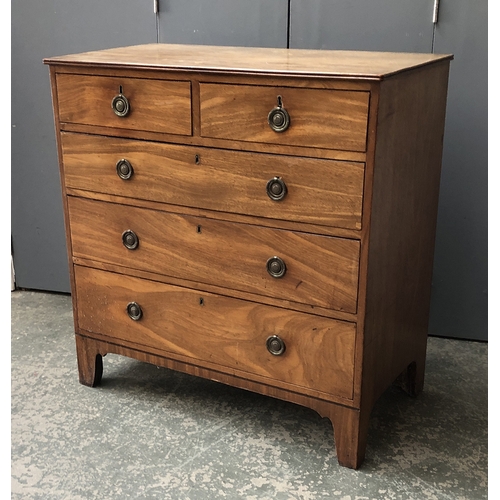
[151, 433]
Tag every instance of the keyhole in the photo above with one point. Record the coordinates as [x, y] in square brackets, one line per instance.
[121, 89]
[202, 301]
[280, 102]
[198, 229]
[197, 159]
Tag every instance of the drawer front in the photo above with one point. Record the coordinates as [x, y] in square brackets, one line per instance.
[320, 270]
[231, 333]
[325, 192]
[319, 118]
[154, 105]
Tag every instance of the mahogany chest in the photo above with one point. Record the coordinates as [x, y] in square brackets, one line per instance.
[264, 218]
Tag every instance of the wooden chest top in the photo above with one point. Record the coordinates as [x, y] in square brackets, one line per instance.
[331, 63]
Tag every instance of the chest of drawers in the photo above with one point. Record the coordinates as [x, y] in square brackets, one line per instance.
[264, 218]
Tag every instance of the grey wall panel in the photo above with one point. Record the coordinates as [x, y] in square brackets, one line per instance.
[44, 28]
[384, 25]
[249, 23]
[460, 283]
[459, 294]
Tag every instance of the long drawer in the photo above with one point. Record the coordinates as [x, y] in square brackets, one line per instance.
[312, 352]
[149, 105]
[310, 269]
[307, 190]
[317, 118]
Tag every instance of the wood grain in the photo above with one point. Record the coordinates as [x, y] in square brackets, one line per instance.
[318, 191]
[329, 119]
[321, 270]
[352, 234]
[155, 105]
[219, 290]
[361, 160]
[319, 82]
[232, 332]
[64, 198]
[333, 154]
[365, 238]
[90, 366]
[402, 227]
[205, 58]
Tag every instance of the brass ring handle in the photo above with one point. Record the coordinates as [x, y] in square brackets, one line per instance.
[124, 169]
[275, 345]
[276, 188]
[130, 239]
[134, 311]
[278, 118]
[276, 267]
[120, 105]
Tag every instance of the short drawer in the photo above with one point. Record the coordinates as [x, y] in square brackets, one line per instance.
[325, 192]
[230, 333]
[153, 105]
[318, 118]
[318, 270]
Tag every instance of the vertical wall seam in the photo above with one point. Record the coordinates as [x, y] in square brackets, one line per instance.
[157, 27]
[288, 22]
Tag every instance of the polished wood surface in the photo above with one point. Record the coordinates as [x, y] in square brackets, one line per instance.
[234, 332]
[213, 214]
[408, 158]
[285, 150]
[219, 290]
[318, 191]
[278, 79]
[330, 119]
[333, 63]
[361, 161]
[321, 270]
[69, 249]
[155, 105]
[90, 366]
